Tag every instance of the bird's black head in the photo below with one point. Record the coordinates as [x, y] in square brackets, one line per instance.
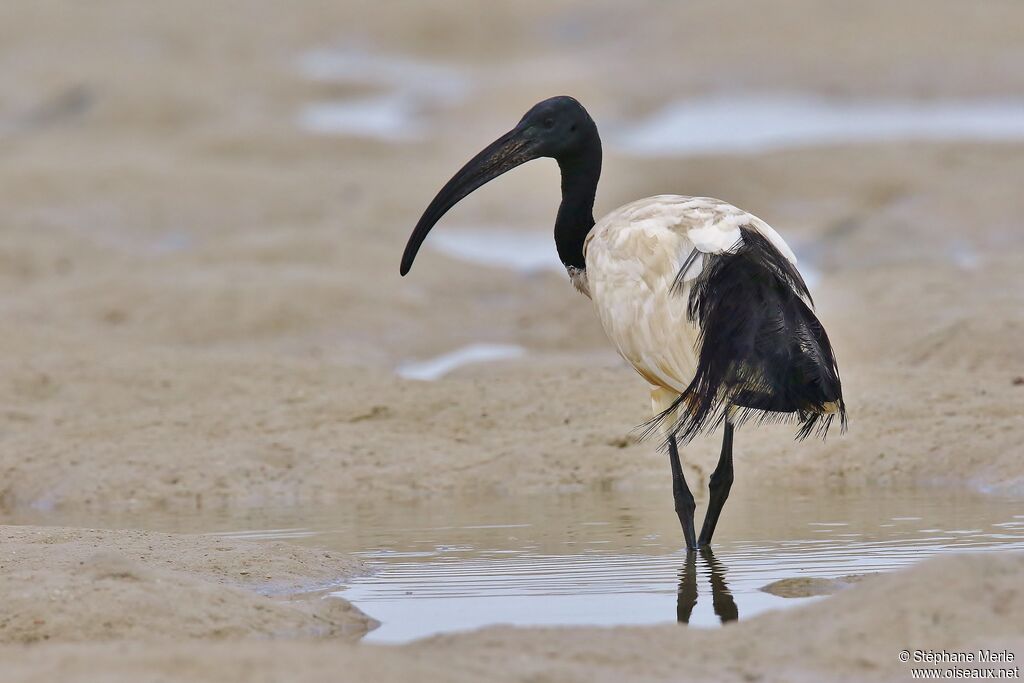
[558, 127]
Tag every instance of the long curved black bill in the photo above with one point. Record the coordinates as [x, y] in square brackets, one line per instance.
[501, 156]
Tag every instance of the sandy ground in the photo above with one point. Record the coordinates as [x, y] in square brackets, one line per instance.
[93, 585]
[201, 309]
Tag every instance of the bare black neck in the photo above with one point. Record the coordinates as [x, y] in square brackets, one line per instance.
[580, 172]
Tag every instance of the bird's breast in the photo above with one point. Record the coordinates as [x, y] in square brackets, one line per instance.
[631, 267]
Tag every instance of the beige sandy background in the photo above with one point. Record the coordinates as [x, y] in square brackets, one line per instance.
[201, 310]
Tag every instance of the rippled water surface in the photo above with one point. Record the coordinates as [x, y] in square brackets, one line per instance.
[602, 558]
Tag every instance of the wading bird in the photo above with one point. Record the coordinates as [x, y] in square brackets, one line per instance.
[704, 300]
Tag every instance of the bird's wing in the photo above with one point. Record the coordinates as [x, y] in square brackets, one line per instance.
[703, 226]
[706, 225]
[761, 351]
[710, 226]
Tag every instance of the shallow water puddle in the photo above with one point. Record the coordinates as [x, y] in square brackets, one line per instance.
[442, 565]
[406, 88]
[353, 65]
[745, 124]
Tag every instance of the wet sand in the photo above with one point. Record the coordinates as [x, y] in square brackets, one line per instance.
[202, 311]
[64, 585]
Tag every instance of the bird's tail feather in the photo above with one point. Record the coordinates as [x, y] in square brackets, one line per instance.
[763, 355]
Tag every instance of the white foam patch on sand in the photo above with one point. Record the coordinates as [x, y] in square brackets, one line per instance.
[743, 124]
[520, 250]
[436, 368]
[408, 88]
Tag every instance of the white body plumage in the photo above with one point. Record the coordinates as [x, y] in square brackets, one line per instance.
[634, 255]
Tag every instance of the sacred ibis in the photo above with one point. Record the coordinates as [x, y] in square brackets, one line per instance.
[702, 299]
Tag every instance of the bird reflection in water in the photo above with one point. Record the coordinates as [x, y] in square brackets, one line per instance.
[721, 598]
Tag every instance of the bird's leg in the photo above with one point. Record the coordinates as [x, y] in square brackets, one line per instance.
[685, 504]
[721, 482]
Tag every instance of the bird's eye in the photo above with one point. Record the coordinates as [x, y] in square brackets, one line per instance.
[572, 128]
[549, 123]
